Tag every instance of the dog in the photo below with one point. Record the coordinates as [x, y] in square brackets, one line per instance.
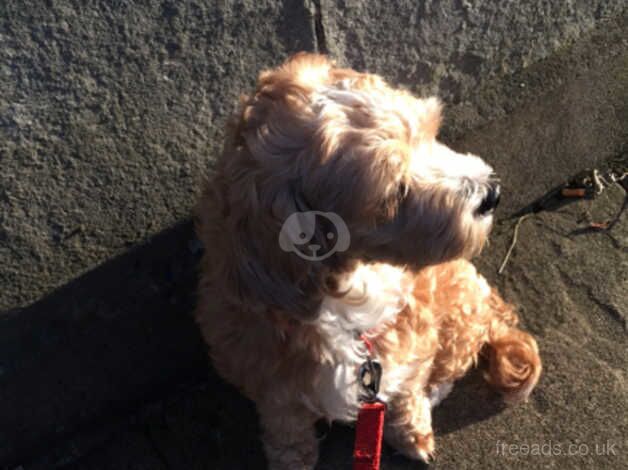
[334, 217]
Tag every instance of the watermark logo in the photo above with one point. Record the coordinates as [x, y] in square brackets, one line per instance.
[314, 235]
[552, 448]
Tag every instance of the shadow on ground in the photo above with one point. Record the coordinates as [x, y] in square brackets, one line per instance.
[79, 364]
[115, 337]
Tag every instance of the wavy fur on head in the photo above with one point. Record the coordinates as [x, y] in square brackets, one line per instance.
[313, 137]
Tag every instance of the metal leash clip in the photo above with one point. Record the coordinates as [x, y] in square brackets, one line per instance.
[369, 376]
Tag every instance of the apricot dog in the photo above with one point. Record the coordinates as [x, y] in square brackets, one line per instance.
[332, 215]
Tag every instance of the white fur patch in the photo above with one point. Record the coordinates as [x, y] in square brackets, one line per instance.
[389, 108]
[378, 293]
[435, 162]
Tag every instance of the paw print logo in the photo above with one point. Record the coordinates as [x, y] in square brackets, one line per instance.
[314, 235]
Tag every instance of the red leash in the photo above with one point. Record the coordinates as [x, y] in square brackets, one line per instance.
[369, 429]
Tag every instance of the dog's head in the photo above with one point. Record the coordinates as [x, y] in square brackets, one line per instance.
[320, 151]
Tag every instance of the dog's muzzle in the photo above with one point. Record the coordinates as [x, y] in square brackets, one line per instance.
[490, 201]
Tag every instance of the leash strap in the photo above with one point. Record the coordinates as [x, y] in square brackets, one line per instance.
[368, 436]
[369, 429]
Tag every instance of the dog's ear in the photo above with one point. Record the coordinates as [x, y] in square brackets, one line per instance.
[261, 285]
[257, 169]
[256, 262]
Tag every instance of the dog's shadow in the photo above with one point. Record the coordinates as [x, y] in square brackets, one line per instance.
[458, 410]
[97, 368]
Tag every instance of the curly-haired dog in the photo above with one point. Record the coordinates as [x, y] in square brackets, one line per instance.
[317, 140]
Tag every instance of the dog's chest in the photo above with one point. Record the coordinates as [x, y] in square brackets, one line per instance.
[379, 293]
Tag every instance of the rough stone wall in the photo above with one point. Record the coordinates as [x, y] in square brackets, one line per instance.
[111, 112]
[449, 47]
[108, 116]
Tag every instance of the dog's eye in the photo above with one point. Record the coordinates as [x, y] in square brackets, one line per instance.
[302, 236]
[330, 236]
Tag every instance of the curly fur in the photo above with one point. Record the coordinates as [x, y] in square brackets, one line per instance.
[285, 329]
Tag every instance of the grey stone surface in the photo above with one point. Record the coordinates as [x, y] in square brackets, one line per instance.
[449, 47]
[557, 117]
[109, 115]
[108, 106]
[116, 337]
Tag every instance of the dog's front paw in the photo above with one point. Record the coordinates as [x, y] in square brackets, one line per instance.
[418, 446]
[298, 458]
[409, 429]
[288, 437]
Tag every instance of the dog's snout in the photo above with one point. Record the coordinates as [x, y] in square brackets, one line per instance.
[314, 247]
[491, 200]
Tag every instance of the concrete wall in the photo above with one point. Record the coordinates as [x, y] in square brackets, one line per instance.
[111, 113]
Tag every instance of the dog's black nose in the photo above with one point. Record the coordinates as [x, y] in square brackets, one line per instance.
[491, 200]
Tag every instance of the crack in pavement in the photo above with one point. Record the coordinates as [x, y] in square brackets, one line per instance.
[319, 28]
[612, 311]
